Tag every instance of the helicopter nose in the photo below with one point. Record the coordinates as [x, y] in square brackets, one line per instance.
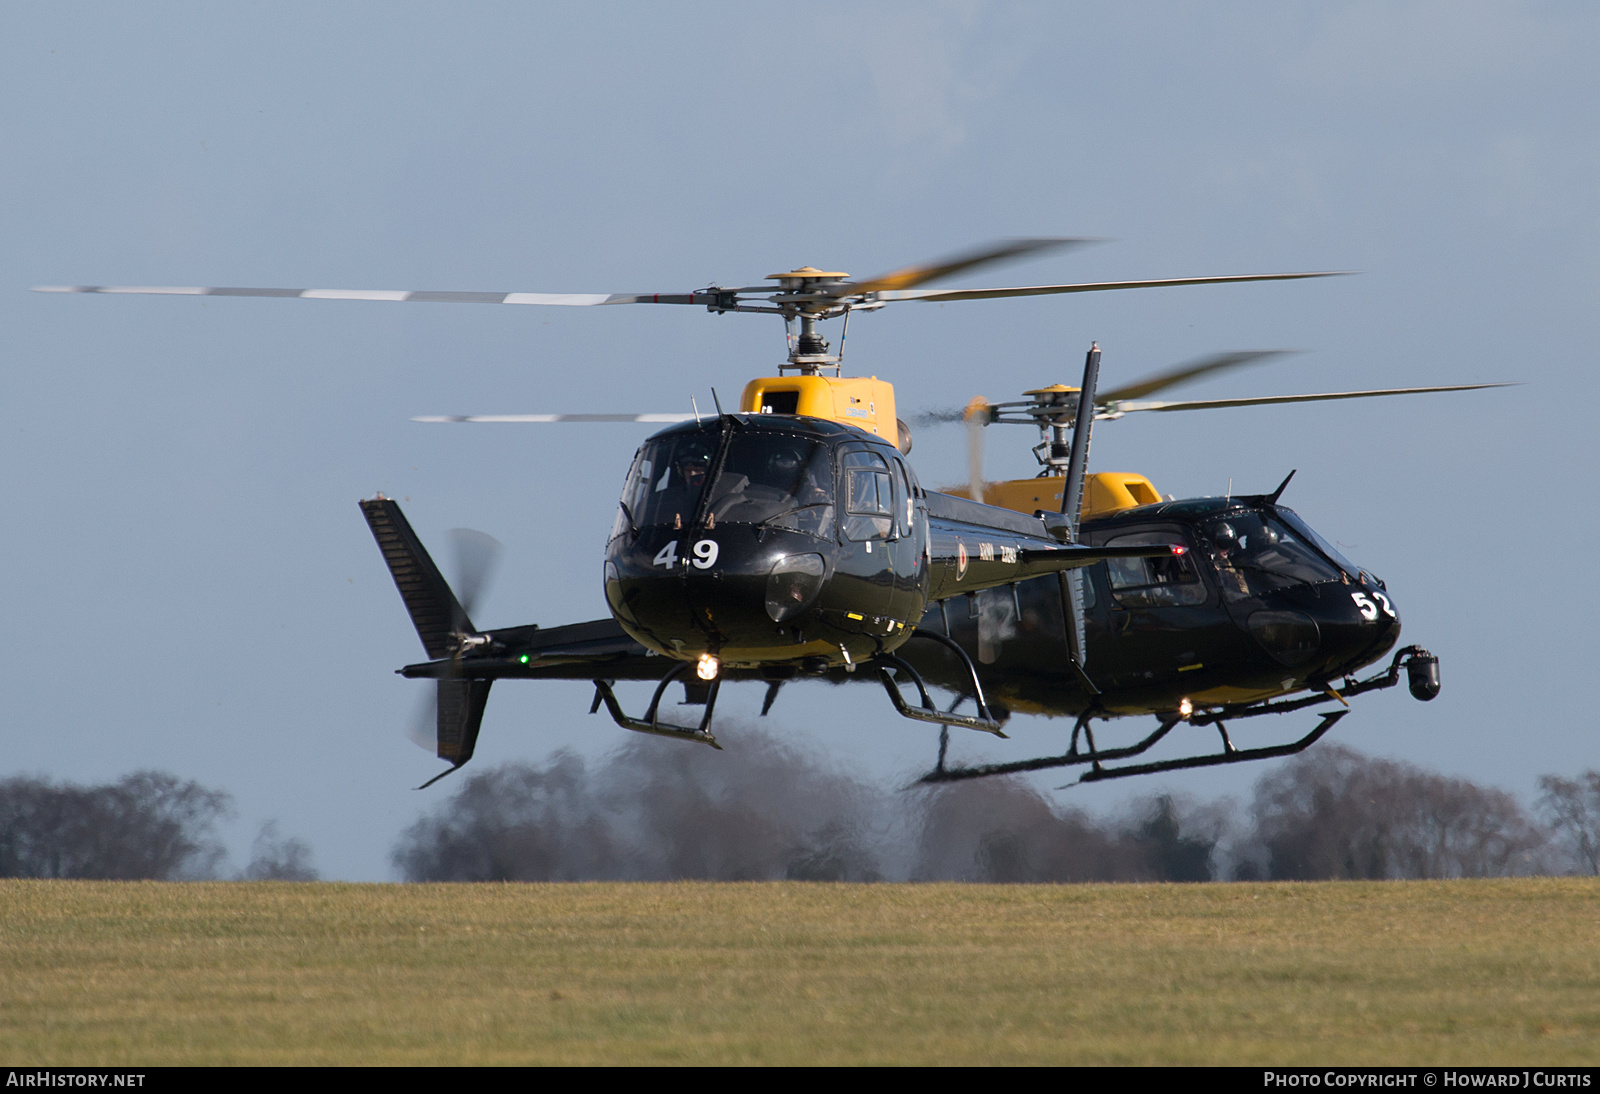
[1334, 631]
[733, 591]
[1361, 625]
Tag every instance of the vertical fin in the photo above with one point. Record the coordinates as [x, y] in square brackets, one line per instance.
[1075, 599]
[434, 609]
[1072, 488]
[1072, 510]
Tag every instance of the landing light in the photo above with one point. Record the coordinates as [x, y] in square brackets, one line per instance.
[1185, 708]
[708, 666]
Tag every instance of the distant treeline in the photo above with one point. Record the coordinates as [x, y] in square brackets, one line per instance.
[145, 825]
[761, 811]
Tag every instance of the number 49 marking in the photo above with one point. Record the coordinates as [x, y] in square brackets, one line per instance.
[705, 555]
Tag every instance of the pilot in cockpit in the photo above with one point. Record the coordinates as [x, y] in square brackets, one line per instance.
[1228, 557]
[679, 488]
[764, 480]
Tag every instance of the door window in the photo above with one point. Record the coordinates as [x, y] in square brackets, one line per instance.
[869, 494]
[1164, 582]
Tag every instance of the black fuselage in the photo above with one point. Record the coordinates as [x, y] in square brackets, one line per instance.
[1236, 622]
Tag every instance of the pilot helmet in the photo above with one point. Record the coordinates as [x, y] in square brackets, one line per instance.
[1223, 535]
[693, 461]
[786, 461]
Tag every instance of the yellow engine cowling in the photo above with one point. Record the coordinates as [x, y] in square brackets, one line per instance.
[1103, 492]
[865, 402]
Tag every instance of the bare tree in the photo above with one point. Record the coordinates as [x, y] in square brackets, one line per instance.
[1169, 841]
[1572, 807]
[273, 858]
[514, 823]
[145, 825]
[1334, 813]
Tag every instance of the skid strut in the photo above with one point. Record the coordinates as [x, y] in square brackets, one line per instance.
[651, 722]
[887, 664]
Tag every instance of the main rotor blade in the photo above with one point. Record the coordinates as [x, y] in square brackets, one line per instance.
[1192, 370]
[665, 418]
[1211, 404]
[1091, 286]
[909, 277]
[425, 296]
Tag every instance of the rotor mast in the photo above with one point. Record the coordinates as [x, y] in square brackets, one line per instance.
[1054, 411]
[807, 294]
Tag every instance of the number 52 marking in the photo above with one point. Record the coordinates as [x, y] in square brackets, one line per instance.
[1369, 610]
[705, 555]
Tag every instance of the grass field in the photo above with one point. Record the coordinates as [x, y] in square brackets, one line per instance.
[262, 973]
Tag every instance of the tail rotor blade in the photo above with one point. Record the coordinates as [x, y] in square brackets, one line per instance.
[423, 729]
[977, 416]
[477, 554]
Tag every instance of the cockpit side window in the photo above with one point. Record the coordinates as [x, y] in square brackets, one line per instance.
[1166, 582]
[626, 512]
[869, 496]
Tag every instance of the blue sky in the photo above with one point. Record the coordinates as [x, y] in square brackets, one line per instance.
[188, 581]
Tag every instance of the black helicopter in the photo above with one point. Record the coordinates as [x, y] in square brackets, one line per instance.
[792, 539]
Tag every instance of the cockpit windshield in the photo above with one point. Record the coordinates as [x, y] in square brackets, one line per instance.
[763, 478]
[1292, 519]
[776, 477]
[1256, 553]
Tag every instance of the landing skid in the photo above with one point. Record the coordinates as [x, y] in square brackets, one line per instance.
[1096, 758]
[651, 722]
[888, 664]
